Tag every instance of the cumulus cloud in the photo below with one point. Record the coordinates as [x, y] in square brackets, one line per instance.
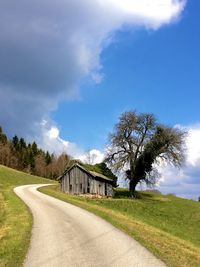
[185, 182]
[49, 138]
[92, 156]
[47, 46]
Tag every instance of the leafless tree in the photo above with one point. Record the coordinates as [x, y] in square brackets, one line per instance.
[138, 142]
[90, 157]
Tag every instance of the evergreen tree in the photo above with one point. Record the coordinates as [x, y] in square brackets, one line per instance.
[34, 148]
[3, 137]
[15, 142]
[47, 158]
[106, 171]
[16, 153]
[22, 143]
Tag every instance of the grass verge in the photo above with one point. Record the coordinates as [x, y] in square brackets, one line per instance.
[15, 217]
[166, 225]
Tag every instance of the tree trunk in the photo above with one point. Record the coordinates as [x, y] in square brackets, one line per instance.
[132, 186]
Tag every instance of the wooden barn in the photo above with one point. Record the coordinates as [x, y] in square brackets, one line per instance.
[77, 180]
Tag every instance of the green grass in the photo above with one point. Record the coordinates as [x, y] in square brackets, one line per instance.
[168, 226]
[15, 218]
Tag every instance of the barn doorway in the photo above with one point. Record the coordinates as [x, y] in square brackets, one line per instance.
[70, 188]
[88, 186]
[106, 189]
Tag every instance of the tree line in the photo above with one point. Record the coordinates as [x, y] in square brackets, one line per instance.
[28, 157]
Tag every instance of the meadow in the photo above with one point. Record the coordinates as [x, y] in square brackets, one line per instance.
[166, 225]
[15, 217]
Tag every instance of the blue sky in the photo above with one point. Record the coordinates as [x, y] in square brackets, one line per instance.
[68, 69]
[151, 71]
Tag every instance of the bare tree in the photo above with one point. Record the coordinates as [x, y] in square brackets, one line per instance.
[40, 165]
[62, 163]
[90, 157]
[138, 142]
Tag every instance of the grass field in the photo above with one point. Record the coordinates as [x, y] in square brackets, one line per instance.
[168, 226]
[15, 218]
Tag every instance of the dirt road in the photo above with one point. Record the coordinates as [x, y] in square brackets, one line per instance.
[65, 235]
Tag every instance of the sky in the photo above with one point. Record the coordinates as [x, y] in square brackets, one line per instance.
[69, 68]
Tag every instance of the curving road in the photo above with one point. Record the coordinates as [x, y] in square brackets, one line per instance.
[65, 235]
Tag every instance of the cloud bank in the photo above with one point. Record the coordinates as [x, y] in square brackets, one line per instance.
[185, 182]
[47, 47]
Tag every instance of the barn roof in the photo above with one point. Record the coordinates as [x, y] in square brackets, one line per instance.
[93, 174]
[96, 174]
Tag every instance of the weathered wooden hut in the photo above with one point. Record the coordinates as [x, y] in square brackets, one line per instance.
[77, 180]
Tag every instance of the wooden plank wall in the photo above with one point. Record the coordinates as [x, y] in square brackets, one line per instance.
[76, 181]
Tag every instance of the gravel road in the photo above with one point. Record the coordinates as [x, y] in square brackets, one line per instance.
[65, 235]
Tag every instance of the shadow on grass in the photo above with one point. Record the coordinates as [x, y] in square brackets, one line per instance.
[123, 193]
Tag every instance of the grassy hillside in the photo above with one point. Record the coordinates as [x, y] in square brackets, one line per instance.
[15, 218]
[166, 225]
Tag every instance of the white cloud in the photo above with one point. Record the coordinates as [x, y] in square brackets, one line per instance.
[49, 139]
[151, 14]
[193, 145]
[185, 182]
[53, 133]
[47, 46]
[92, 156]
